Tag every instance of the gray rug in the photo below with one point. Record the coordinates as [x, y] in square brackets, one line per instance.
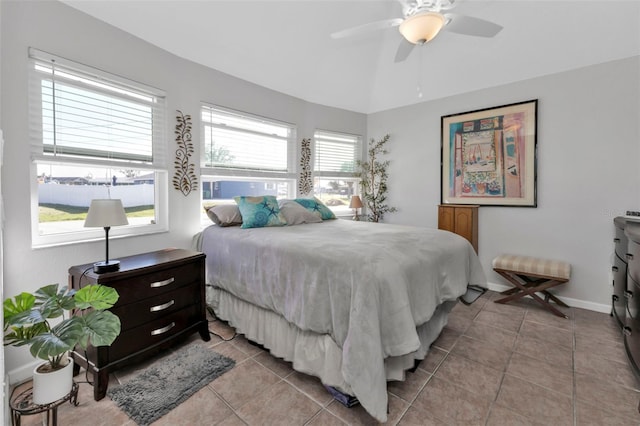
[169, 382]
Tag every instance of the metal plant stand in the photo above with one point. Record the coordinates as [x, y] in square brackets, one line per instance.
[22, 405]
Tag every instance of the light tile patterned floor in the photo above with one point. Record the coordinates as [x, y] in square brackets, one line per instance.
[494, 364]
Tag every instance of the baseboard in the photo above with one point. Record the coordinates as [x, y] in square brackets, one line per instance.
[574, 303]
[22, 373]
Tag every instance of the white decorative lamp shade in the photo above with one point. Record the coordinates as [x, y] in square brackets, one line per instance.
[422, 28]
[355, 204]
[105, 213]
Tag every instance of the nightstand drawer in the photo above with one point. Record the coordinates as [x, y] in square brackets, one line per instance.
[154, 332]
[155, 283]
[134, 314]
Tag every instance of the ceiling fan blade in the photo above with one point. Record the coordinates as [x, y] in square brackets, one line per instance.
[469, 25]
[365, 28]
[404, 50]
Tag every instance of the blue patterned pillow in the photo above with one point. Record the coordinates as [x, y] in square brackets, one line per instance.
[314, 205]
[258, 212]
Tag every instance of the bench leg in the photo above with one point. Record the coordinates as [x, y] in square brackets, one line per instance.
[530, 287]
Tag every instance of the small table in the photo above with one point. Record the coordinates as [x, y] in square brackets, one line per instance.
[22, 405]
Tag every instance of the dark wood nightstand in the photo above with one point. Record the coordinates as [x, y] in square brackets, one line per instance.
[162, 301]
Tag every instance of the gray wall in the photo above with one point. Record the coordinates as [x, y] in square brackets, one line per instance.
[588, 146]
[588, 171]
[58, 29]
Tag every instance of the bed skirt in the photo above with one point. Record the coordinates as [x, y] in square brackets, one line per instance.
[311, 353]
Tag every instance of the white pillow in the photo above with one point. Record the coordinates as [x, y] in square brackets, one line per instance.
[225, 215]
[295, 214]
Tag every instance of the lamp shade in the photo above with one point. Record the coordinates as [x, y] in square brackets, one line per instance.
[421, 28]
[356, 202]
[105, 212]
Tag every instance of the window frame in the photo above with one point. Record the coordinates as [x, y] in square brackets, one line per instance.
[332, 175]
[157, 165]
[211, 173]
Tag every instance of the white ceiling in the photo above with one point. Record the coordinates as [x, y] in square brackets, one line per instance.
[286, 45]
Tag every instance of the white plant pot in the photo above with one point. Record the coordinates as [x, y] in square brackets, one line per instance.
[51, 386]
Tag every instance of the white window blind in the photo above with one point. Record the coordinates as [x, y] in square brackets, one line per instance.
[242, 142]
[335, 153]
[80, 114]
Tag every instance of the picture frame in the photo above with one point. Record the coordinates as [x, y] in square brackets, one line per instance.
[489, 156]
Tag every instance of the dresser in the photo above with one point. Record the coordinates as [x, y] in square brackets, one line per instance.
[631, 329]
[625, 298]
[461, 220]
[162, 301]
[619, 272]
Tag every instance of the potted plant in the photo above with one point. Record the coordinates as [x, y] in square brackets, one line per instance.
[373, 180]
[27, 322]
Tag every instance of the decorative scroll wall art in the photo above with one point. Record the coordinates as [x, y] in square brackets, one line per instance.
[185, 179]
[489, 156]
[305, 183]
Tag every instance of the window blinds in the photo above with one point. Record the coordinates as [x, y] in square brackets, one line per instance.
[79, 114]
[336, 153]
[236, 141]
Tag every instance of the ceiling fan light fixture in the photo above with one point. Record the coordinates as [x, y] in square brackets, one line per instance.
[422, 28]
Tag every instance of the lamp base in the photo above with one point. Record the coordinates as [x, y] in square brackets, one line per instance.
[109, 266]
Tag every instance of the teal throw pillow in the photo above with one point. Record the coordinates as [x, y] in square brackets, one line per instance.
[259, 212]
[316, 206]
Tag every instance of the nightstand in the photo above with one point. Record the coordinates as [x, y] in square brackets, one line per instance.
[162, 301]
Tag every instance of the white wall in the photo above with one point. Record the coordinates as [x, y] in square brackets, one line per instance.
[588, 171]
[55, 28]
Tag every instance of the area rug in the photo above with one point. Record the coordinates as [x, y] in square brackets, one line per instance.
[167, 383]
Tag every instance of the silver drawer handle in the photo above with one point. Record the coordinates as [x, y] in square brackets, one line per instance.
[614, 268]
[627, 331]
[162, 283]
[163, 329]
[629, 256]
[616, 240]
[161, 307]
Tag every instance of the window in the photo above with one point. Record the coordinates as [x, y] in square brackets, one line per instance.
[93, 135]
[243, 154]
[335, 157]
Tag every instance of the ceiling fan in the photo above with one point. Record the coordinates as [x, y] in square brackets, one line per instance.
[422, 21]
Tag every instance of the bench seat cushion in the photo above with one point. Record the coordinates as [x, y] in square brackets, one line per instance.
[526, 265]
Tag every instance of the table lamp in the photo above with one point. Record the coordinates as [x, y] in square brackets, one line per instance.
[355, 204]
[106, 213]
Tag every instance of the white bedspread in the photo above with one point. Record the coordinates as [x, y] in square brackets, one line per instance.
[366, 285]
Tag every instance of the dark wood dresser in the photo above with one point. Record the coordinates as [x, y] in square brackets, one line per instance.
[625, 300]
[162, 301]
[631, 329]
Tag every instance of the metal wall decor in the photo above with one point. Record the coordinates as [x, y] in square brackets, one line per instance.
[305, 183]
[185, 179]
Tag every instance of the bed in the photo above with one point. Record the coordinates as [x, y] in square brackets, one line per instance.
[353, 303]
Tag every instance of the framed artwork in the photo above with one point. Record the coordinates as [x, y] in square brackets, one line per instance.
[489, 156]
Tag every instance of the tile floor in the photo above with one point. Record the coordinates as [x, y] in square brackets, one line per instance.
[494, 364]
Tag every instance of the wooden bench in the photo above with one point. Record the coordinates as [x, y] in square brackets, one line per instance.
[530, 275]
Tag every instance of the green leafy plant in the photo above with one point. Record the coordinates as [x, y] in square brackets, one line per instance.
[373, 180]
[27, 320]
